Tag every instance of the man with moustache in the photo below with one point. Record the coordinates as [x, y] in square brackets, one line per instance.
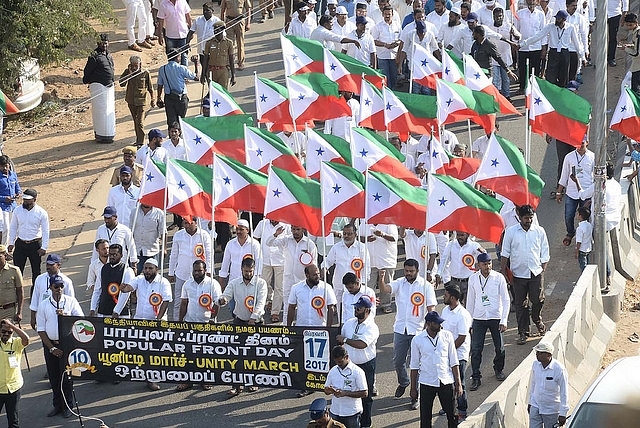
[10, 359]
[460, 257]
[124, 196]
[40, 290]
[101, 247]
[347, 384]
[108, 299]
[116, 233]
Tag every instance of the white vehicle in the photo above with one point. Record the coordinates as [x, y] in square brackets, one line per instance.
[29, 87]
[617, 385]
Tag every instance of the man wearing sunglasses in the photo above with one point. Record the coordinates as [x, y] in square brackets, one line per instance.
[10, 357]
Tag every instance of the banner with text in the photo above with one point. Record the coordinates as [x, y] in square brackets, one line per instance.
[219, 354]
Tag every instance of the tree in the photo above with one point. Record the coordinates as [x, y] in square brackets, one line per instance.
[43, 29]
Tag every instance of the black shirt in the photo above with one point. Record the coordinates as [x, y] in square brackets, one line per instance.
[483, 52]
[99, 69]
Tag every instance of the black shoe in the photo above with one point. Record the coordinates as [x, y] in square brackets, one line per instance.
[374, 392]
[522, 339]
[612, 63]
[475, 385]
[500, 376]
[400, 391]
[53, 412]
[66, 413]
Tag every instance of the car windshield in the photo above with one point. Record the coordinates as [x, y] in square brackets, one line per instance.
[594, 415]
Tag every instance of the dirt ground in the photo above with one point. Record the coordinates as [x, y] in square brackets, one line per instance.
[629, 324]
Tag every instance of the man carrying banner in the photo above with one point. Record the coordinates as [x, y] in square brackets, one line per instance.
[108, 298]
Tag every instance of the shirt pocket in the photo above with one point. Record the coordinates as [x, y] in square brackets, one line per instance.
[550, 385]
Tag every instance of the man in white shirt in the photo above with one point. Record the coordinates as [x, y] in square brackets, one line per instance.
[347, 384]
[272, 265]
[236, 250]
[421, 36]
[101, 246]
[302, 25]
[361, 10]
[200, 294]
[328, 38]
[355, 290]
[41, 291]
[458, 321]
[434, 368]
[116, 233]
[530, 23]
[449, 34]
[615, 10]
[382, 241]
[124, 196]
[359, 336]
[508, 31]
[414, 298]
[582, 27]
[548, 390]
[525, 251]
[147, 232]
[488, 303]
[459, 257]
[153, 148]
[485, 14]
[344, 26]
[366, 52]
[341, 126]
[175, 146]
[386, 35]
[439, 17]
[189, 244]
[417, 245]
[202, 27]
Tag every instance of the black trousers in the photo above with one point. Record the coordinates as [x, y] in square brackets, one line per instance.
[369, 369]
[529, 299]
[24, 251]
[562, 150]
[558, 67]
[175, 107]
[613, 24]
[447, 400]
[55, 371]
[534, 66]
[573, 65]
[10, 402]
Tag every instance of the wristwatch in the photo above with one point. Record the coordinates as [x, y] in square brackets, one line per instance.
[53, 348]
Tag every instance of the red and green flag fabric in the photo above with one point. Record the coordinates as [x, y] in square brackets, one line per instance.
[272, 106]
[371, 151]
[221, 102]
[425, 68]
[238, 186]
[189, 192]
[347, 72]
[456, 205]
[452, 67]
[457, 102]
[6, 106]
[301, 55]
[153, 185]
[293, 200]
[626, 117]
[313, 96]
[223, 135]
[263, 148]
[476, 80]
[558, 112]
[394, 201]
[441, 161]
[504, 170]
[323, 147]
[405, 112]
[371, 107]
[342, 189]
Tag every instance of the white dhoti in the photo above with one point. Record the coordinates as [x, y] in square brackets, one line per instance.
[103, 112]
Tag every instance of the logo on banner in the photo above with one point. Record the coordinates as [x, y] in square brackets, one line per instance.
[80, 360]
[83, 331]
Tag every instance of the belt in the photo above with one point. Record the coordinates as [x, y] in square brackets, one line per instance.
[30, 241]
[459, 279]
[218, 67]
[8, 305]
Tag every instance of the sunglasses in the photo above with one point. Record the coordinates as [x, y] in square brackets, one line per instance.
[57, 286]
[6, 331]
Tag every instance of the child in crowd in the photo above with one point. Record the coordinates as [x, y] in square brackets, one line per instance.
[584, 237]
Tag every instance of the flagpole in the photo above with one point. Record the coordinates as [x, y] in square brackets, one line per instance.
[164, 229]
[213, 224]
[323, 229]
[527, 130]
[413, 54]
[469, 132]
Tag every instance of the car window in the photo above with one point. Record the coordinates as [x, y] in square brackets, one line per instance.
[593, 415]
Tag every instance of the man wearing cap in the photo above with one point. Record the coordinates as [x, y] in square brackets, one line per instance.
[153, 149]
[124, 196]
[488, 303]
[366, 51]
[332, 8]
[237, 15]
[355, 290]
[435, 370]
[29, 234]
[359, 336]
[561, 36]
[414, 297]
[40, 290]
[218, 63]
[116, 233]
[320, 417]
[108, 298]
[531, 22]
[49, 310]
[172, 86]
[459, 257]
[302, 25]
[10, 192]
[10, 363]
[450, 34]
[101, 247]
[343, 26]
[525, 252]
[11, 292]
[328, 38]
[458, 321]
[237, 249]
[138, 83]
[548, 390]
[347, 384]
[129, 159]
[154, 295]
[99, 75]
[148, 226]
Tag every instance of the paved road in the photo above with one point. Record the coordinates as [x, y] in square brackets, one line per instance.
[132, 404]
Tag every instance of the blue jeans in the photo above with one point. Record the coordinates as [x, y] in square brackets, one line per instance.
[352, 421]
[401, 348]
[389, 69]
[178, 44]
[479, 328]
[501, 80]
[570, 207]
[369, 369]
[462, 400]
[417, 88]
[583, 259]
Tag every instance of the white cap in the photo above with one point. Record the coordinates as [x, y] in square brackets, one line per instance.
[456, 9]
[312, 1]
[489, 2]
[243, 223]
[332, 2]
[341, 10]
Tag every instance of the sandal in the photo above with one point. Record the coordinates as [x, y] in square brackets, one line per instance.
[235, 391]
[567, 240]
[252, 389]
[634, 338]
[206, 387]
[275, 318]
[183, 387]
[542, 329]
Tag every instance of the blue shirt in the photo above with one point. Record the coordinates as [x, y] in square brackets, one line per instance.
[430, 6]
[407, 20]
[9, 186]
[172, 76]
[635, 156]
[350, 5]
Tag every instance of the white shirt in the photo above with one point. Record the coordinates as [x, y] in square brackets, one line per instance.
[616, 7]
[349, 299]
[613, 203]
[428, 42]
[465, 40]
[488, 298]
[41, 290]
[410, 317]
[415, 247]
[434, 358]
[47, 316]
[583, 165]
[127, 278]
[125, 201]
[504, 49]
[368, 332]
[458, 322]
[351, 378]
[584, 235]
[186, 249]
[271, 255]
[342, 256]
[148, 230]
[485, 16]
[144, 289]
[549, 388]
[328, 38]
[341, 126]
[450, 36]
[367, 47]
[530, 24]
[203, 30]
[460, 260]
[121, 234]
[386, 33]
[28, 225]
[438, 21]
[344, 30]
[526, 250]
[559, 38]
[311, 303]
[192, 291]
[302, 29]
[95, 267]
[176, 152]
[383, 253]
[295, 253]
[582, 27]
[233, 255]
[296, 141]
[250, 298]
[158, 154]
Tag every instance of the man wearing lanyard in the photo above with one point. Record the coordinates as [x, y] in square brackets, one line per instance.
[460, 257]
[12, 349]
[116, 233]
[108, 298]
[488, 303]
[347, 384]
[124, 196]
